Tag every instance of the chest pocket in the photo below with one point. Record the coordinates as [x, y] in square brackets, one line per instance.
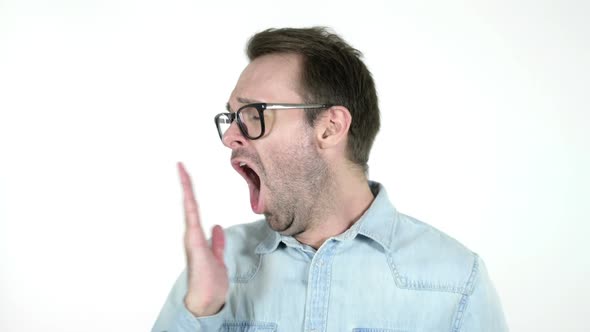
[248, 326]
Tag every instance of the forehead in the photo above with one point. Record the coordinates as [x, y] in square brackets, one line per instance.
[269, 78]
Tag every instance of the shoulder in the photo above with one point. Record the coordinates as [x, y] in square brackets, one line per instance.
[424, 258]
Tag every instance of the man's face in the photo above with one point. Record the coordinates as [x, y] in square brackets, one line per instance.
[285, 173]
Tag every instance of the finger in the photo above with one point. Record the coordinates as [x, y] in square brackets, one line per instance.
[218, 243]
[191, 210]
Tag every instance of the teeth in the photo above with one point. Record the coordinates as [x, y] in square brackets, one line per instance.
[242, 164]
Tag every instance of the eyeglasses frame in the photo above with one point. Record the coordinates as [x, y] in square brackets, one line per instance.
[261, 107]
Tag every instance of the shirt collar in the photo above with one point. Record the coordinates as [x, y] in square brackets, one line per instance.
[270, 242]
[377, 223]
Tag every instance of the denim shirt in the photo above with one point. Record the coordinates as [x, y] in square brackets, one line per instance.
[387, 272]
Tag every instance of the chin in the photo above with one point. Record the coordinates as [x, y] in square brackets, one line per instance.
[277, 226]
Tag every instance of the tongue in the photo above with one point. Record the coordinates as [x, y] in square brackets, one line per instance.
[255, 197]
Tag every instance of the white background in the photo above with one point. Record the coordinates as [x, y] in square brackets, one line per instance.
[485, 136]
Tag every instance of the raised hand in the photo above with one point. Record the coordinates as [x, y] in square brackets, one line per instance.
[207, 275]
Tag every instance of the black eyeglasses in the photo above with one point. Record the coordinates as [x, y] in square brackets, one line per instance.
[250, 117]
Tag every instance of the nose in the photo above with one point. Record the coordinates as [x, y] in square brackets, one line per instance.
[233, 138]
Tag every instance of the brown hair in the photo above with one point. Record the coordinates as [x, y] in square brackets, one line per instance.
[332, 72]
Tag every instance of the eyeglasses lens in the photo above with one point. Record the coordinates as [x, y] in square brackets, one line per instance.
[250, 118]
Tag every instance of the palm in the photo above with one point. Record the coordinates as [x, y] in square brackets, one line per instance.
[208, 283]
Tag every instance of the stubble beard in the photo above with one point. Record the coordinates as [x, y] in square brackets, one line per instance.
[299, 190]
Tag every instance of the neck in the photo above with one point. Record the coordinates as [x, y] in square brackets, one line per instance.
[350, 197]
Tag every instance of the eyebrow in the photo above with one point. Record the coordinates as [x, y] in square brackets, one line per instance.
[247, 101]
[241, 100]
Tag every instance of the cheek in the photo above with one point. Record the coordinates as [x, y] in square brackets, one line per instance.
[286, 124]
[287, 149]
[289, 159]
[277, 159]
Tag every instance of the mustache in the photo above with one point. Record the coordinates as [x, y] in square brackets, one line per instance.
[253, 157]
[241, 153]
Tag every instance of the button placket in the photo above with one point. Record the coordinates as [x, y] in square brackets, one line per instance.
[318, 288]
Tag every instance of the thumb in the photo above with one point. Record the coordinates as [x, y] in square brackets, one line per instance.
[218, 243]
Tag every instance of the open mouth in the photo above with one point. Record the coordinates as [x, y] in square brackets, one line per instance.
[251, 174]
[253, 180]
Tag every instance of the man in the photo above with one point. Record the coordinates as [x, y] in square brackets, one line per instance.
[332, 253]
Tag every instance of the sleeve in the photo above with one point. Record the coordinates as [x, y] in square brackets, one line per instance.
[481, 311]
[175, 317]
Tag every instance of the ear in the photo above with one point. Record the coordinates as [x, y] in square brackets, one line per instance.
[332, 126]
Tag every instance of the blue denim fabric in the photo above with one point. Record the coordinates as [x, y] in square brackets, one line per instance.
[388, 272]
